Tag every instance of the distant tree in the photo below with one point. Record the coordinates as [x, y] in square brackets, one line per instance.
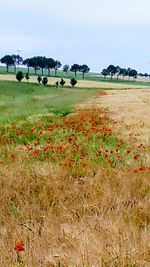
[123, 72]
[34, 63]
[45, 81]
[27, 76]
[133, 73]
[19, 76]
[112, 70]
[42, 63]
[57, 65]
[146, 75]
[73, 82]
[57, 84]
[62, 82]
[74, 68]
[105, 72]
[8, 60]
[66, 69]
[50, 64]
[84, 69]
[128, 73]
[39, 78]
[17, 61]
[118, 69]
[27, 63]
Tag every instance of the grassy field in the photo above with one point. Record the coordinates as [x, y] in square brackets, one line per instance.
[73, 190]
[17, 101]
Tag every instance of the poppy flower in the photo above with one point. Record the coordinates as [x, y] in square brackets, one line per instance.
[19, 246]
[136, 156]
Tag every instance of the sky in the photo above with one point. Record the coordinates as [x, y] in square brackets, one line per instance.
[96, 33]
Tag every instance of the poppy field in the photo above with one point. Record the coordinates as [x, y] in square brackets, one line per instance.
[72, 192]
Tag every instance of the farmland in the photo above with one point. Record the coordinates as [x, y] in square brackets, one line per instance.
[74, 176]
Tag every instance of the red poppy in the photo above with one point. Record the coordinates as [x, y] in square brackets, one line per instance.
[128, 151]
[136, 156]
[19, 246]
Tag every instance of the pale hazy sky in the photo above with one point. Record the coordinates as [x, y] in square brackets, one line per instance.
[97, 32]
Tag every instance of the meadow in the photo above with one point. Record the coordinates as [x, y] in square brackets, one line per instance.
[73, 190]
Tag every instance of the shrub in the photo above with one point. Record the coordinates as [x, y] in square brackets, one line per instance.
[27, 76]
[62, 82]
[73, 82]
[57, 84]
[45, 81]
[39, 78]
[19, 76]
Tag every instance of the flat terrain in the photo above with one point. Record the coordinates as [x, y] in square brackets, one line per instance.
[130, 107]
[19, 100]
[74, 176]
[81, 83]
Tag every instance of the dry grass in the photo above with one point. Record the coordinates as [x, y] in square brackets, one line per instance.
[131, 108]
[101, 220]
[98, 219]
[81, 83]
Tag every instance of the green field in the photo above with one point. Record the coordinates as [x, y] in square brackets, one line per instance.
[20, 100]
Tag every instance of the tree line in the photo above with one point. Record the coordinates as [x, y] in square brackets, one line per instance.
[42, 62]
[117, 71]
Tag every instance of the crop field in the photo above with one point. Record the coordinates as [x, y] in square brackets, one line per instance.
[91, 76]
[74, 176]
[95, 83]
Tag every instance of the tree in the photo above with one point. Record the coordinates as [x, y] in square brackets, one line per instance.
[105, 72]
[118, 69]
[34, 63]
[8, 60]
[50, 64]
[57, 65]
[123, 72]
[17, 61]
[66, 69]
[39, 78]
[74, 68]
[42, 63]
[84, 69]
[128, 73]
[27, 76]
[45, 81]
[19, 76]
[62, 82]
[27, 63]
[133, 73]
[73, 82]
[112, 70]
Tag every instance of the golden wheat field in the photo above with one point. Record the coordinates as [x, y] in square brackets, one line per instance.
[78, 193]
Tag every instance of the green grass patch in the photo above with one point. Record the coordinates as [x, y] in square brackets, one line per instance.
[18, 101]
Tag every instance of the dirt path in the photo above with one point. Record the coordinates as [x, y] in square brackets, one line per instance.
[131, 108]
[81, 83]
